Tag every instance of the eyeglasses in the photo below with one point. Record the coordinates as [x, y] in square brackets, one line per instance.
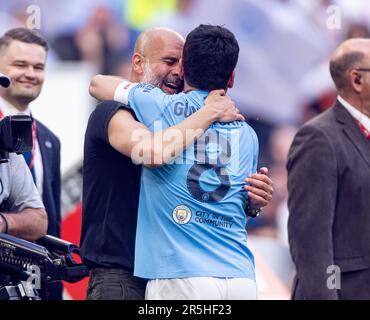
[363, 69]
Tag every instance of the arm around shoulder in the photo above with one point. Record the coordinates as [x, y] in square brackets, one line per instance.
[103, 87]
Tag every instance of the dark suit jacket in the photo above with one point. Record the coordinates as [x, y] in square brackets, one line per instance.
[329, 205]
[50, 151]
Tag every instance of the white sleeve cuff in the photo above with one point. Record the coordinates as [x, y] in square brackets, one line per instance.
[123, 90]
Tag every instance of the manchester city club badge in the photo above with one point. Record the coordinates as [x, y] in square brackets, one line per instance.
[181, 214]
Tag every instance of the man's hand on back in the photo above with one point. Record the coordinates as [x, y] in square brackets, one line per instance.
[260, 189]
[223, 107]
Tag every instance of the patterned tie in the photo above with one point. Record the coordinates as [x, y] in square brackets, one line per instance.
[364, 130]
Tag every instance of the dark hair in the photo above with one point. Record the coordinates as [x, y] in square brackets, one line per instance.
[210, 56]
[340, 66]
[23, 35]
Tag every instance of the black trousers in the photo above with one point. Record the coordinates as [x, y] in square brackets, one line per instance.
[115, 284]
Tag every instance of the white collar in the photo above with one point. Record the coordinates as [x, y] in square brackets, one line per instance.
[9, 110]
[358, 115]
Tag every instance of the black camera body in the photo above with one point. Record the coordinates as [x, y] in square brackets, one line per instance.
[51, 256]
[15, 136]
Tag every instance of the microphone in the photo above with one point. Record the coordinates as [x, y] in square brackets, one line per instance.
[4, 81]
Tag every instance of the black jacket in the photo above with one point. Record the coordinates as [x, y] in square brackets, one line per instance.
[50, 151]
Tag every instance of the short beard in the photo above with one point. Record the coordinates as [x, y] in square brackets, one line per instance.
[25, 99]
[157, 81]
[150, 77]
[21, 100]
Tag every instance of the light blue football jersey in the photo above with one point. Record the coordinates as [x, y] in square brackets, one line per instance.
[191, 220]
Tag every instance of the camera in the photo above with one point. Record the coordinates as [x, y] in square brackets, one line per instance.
[15, 131]
[51, 257]
[15, 136]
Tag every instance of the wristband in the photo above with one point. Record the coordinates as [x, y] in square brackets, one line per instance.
[253, 213]
[5, 221]
[122, 91]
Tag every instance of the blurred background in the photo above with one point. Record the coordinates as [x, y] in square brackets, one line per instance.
[282, 81]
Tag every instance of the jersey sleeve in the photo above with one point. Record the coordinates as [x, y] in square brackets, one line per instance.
[148, 103]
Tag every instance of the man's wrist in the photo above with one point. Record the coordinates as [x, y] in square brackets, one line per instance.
[252, 212]
[3, 224]
[122, 91]
[210, 114]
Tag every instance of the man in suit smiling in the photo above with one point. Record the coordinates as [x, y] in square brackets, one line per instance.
[329, 187]
[23, 56]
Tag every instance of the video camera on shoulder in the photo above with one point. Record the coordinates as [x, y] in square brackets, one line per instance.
[15, 131]
[15, 136]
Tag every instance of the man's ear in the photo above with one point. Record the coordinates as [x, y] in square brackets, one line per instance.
[230, 84]
[138, 63]
[355, 81]
[181, 64]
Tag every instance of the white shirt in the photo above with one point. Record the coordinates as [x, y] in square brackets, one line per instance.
[358, 115]
[9, 110]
